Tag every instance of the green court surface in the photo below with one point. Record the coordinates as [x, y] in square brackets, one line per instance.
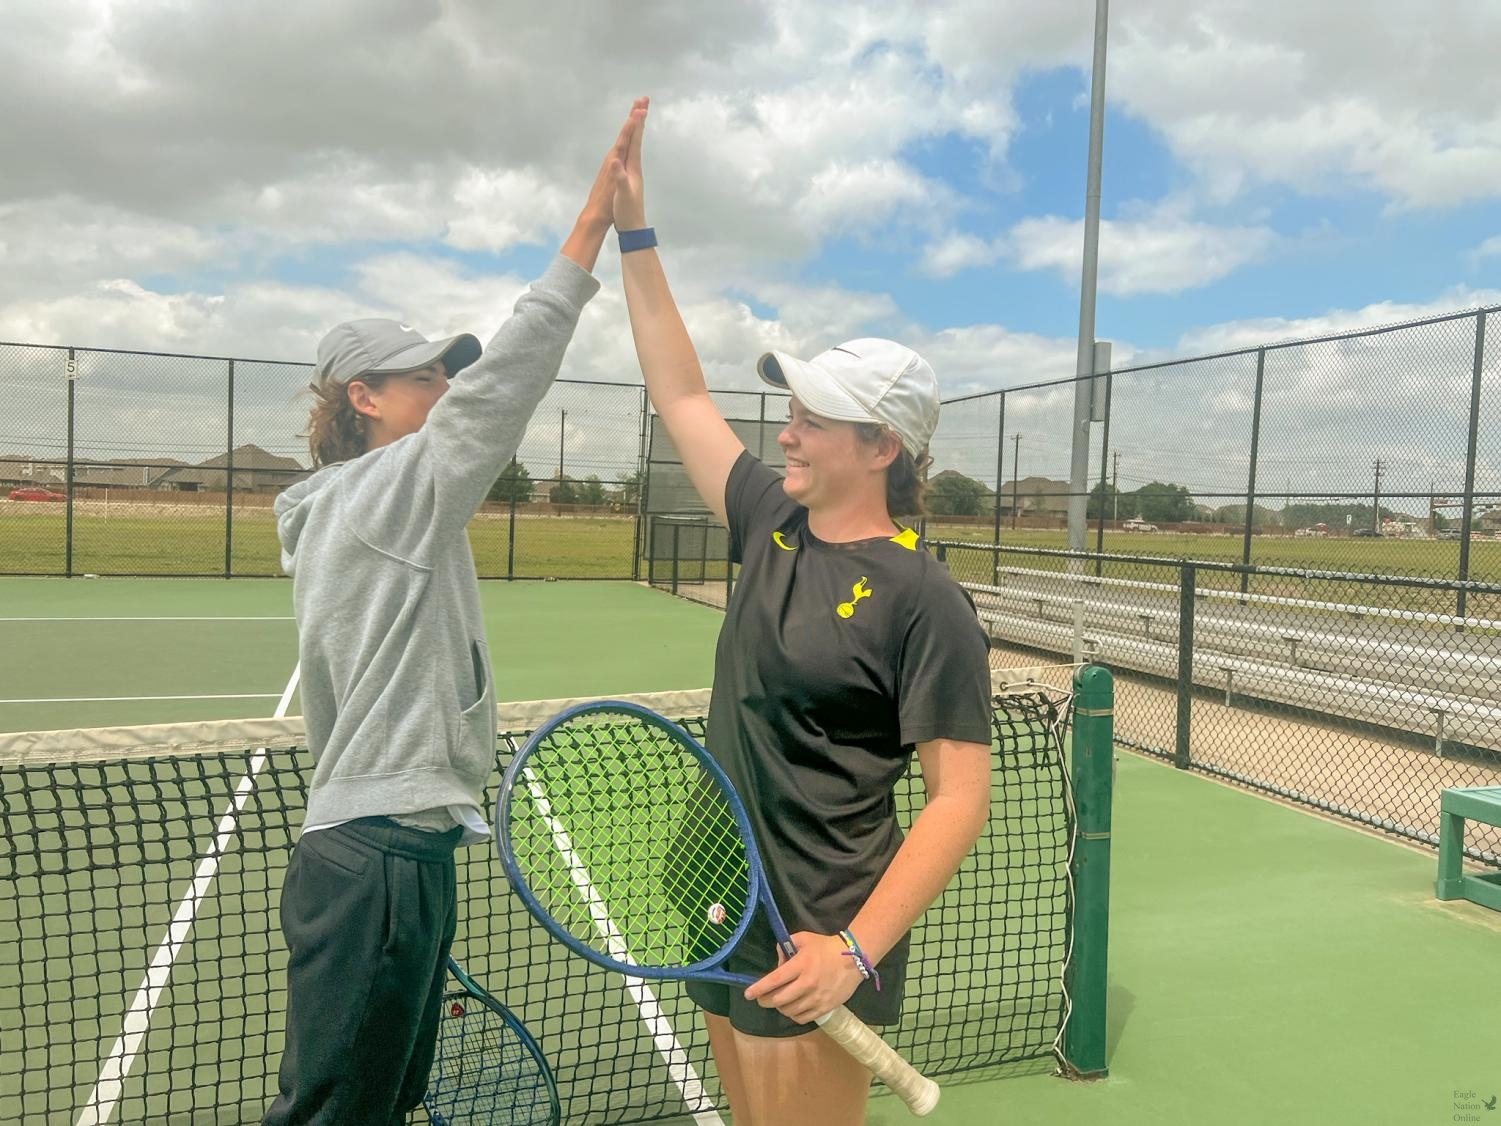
[1267, 965]
[101, 652]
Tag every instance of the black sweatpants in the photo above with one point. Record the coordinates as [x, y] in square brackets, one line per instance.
[368, 910]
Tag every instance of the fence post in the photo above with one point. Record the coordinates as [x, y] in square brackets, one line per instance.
[511, 539]
[1186, 592]
[1245, 555]
[71, 371]
[676, 551]
[1470, 454]
[1000, 471]
[1099, 542]
[1093, 767]
[639, 545]
[229, 481]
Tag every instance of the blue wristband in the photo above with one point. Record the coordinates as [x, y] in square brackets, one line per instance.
[642, 239]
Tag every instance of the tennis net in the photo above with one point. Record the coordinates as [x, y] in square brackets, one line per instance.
[140, 874]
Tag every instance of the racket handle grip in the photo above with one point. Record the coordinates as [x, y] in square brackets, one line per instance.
[861, 1041]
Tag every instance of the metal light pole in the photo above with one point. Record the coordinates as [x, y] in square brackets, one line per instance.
[1078, 501]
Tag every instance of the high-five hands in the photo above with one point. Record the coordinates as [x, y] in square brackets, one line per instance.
[600, 206]
[630, 198]
[598, 214]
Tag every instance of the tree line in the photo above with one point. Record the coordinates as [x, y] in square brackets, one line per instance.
[516, 483]
[950, 493]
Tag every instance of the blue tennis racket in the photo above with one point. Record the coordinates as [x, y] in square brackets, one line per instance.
[488, 1071]
[627, 841]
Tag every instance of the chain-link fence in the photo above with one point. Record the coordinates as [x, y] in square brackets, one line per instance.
[1361, 695]
[1376, 451]
[132, 463]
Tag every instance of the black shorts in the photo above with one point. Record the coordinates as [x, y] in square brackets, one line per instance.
[757, 955]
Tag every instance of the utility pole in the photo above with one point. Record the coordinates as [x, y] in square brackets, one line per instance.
[562, 429]
[1376, 506]
[1016, 453]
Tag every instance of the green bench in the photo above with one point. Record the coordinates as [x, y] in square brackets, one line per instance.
[1483, 804]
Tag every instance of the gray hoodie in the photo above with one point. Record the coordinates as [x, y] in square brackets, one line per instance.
[397, 692]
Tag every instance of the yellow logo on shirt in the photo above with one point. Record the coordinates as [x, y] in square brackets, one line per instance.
[776, 538]
[859, 591]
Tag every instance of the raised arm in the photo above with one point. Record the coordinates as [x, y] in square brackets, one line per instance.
[443, 471]
[674, 379]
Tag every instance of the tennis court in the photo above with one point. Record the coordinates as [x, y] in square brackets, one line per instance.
[1267, 965]
[93, 653]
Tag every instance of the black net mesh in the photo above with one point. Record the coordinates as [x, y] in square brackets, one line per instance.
[139, 897]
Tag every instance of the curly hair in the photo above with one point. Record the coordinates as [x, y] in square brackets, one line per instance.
[335, 430]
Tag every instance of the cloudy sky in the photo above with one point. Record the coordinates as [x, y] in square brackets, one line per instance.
[231, 178]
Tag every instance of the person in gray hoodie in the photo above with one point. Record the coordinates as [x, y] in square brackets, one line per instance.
[397, 691]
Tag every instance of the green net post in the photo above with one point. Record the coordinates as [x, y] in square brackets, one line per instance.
[1093, 778]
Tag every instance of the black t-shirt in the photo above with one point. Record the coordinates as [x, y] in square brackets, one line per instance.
[833, 662]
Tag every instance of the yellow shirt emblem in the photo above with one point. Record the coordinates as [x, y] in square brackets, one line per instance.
[859, 591]
[776, 538]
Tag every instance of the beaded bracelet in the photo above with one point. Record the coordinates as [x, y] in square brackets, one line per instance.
[866, 967]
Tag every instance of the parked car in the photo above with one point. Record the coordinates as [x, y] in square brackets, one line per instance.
[35, 493]
[1371, 533]
[1137, 526]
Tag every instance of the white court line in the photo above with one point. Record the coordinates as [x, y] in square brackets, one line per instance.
[666, 1041]
[137, 618]
[106, 1093]
[122, 699]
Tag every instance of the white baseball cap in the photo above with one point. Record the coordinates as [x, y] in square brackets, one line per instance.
[379, 346]
[866, 380]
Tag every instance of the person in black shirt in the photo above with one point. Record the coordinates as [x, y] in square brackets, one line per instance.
[845, 648]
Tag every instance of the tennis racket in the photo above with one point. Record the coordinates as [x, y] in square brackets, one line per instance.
[488, 1071]
[629, 844]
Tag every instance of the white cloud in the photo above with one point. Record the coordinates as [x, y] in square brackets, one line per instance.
[956, 252]
[1397, 101]
[1253, 332]
[977, 358]
[865, 196]
[1490, 248]
[202, 141]
[1158, 254]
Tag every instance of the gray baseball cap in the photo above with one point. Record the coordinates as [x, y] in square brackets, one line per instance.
[377, 345]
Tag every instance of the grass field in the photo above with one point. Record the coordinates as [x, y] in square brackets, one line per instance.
[33, 540]
[189, 540]
[1426, 558]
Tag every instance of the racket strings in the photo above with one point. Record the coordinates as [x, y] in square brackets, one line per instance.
[628, 843]
[483, 1071]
